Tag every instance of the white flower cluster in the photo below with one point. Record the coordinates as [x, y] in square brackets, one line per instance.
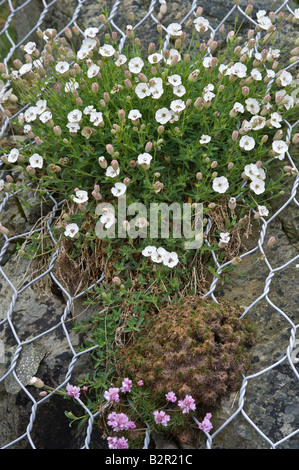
[160, 255]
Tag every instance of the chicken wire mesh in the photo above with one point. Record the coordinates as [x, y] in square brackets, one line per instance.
[12, 41]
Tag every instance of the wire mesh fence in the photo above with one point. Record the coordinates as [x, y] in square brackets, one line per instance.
[10, 40]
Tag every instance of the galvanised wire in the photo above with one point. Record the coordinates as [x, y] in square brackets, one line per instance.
[151, 14]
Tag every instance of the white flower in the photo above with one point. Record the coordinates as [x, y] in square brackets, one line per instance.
[273, 54]
[107, 219]
[107, 50]
[149, 250]
[280, 147]
[120, 60]
[141, 222]
[111, 172]
[135, 65]
[261, 13]
[27, 129]
[275, 120]
[222, 68]
[263, 211]
[73, 127]
[158, 255]
[1, 184]
[208, 96]
[207, 62]
[134, 114]
[163, 115]
[224, 237]
[25, 69]
[142, 90]
[172, 53]
[144, 160]
[257, 122]
[288, 101]
[155, 58]
[96, 117]
[119, 189]
[251, 171]
[285, 78]
[62, 67]
[177, 106]
[174, 30]
[200, 22]
[204, 139]
[247, 143]
[75, 115]
[89, 109]
[156, 87]
[174, 80]
[71, 230]
[220, 184]
[46, 117]
[256, 74]
[30, 47]
[264, 22]
[237, 69]
[13, 155]
[296, 13]
[270, 73]
[179, 90]
[88, 44]
[91, 32]
[170, 259]
[30, 114]
[257, 185]
[81, 196]
[252, 105]
[93, 71]
[41, 106]
[238, 107]
[36, 161]
[72, 85]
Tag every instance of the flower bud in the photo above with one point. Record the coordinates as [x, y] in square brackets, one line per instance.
[212, 205]
[295, 138]
[114, 164]
[214, 164]
[245, 91]
[235, 136]
[271, 241]
[103, 19]
[4, 230]
[95, 87]
[148, 146]
[36, 382]
[110, 149]
[232, 203]
[57, 130]
[198, 175]
[103, 162]
[116, 280]
[248, 10]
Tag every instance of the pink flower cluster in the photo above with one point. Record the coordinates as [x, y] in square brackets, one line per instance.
[112, 394]
[187, 404]
[126, 385]
[120, 422]
[170, 396]
[73, 391]
[161, 417]
[117, 443]
[206, 424]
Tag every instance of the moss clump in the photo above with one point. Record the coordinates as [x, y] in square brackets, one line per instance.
[195, 347]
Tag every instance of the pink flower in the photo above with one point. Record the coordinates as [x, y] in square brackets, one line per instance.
[140, 383]
[120, 422]
[170, 396]
[73, 391]
[126, 385]
[112, 394]
[161, 417]
[187, 404]
[117, 443]
[122, 443]
[206, 424]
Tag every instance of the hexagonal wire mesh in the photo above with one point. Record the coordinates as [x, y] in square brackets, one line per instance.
[288, 356]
